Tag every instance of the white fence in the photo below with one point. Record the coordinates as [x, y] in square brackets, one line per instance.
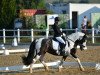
[18, 35]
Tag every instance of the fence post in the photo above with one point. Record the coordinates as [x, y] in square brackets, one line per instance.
[76, 30]
[92, 35]
[32, 35]
[6, 52]
[18, 35]
[61, 29]
[4, 37]
[47, 33]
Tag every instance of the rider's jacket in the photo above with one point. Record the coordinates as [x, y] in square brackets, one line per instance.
[56, 29]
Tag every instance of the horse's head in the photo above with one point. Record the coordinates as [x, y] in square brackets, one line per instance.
[82, 41]
[78, 38]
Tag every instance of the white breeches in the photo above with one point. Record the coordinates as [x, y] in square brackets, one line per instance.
[60, 40]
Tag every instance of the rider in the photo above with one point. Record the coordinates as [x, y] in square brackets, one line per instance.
[58, 35]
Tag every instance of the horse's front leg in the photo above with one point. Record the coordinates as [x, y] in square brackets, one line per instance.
[61, 63]
[80, 65]
[73, 51]
[78, 60]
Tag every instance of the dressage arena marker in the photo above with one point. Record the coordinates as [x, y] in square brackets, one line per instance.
[52, 64]
[97, 66]
[7, 52]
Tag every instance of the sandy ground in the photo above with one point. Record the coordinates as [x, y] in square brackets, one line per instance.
[92, 54]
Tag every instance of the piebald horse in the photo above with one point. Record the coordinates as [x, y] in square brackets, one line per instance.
[39, 47]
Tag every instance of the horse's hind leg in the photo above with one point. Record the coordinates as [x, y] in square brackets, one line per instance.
[61, 63]
[42, 61]
[34, 60]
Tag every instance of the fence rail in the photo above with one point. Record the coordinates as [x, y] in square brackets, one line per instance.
[30, 34]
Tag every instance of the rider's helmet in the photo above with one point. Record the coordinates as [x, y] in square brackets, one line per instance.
[57, 19]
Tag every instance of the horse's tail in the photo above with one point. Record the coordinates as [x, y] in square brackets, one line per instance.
[31, 54]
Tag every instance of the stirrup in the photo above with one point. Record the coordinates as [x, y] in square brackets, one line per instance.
[63, 52]
[58, 52]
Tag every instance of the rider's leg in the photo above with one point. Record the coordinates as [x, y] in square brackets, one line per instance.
[60, 40]
[63, 49]
[62, 43]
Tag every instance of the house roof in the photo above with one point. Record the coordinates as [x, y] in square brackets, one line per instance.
[31, 12]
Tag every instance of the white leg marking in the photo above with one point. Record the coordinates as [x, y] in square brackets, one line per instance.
[60, 65]
[34, 60]
[80, 65]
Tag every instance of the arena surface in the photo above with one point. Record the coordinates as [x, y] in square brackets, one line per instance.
[92, 54]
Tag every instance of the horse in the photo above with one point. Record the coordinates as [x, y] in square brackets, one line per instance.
[39, 47]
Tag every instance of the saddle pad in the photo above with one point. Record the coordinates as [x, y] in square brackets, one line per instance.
[55, 45]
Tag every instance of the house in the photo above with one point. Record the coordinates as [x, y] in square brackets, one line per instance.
[78, 11]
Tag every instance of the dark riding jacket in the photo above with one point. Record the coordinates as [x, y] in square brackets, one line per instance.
[56, 29]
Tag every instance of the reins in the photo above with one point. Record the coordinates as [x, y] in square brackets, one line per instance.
[70, 39]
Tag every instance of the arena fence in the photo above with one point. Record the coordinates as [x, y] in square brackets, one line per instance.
[33, 33]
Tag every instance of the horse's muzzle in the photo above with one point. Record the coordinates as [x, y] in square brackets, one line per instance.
[82, 47]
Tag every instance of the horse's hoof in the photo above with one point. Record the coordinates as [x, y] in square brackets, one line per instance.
[30, 70]
[46, 68]
[59, 70]
[60, 67]
[82, 69]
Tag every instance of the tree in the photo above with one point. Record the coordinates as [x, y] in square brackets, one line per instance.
[38, 4]
[29, 4]
[19, 4]
[84, 1]
[7, 13]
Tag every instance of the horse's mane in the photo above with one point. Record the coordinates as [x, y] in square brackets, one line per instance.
[75, 36]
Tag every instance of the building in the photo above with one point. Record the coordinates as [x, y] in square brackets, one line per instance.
[58, 8]
[78, 11]
[31, 12]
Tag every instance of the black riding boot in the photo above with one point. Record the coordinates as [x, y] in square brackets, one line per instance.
[62, 50]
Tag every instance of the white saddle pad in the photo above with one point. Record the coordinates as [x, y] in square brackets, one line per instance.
[55, 45]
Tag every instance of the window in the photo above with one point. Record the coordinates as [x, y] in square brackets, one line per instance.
[64, 11]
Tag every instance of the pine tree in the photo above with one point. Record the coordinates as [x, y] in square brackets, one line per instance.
[7, 13]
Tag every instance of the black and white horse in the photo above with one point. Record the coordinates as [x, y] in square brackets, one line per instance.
[40, 46]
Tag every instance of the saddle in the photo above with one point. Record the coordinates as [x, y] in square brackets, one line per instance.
[57, 46]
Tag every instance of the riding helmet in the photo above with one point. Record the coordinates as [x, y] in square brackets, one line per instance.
[57, 19]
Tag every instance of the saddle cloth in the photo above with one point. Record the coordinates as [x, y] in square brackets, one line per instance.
[55, 45]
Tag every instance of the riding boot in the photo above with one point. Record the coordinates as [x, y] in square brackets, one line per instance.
[62, 49]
